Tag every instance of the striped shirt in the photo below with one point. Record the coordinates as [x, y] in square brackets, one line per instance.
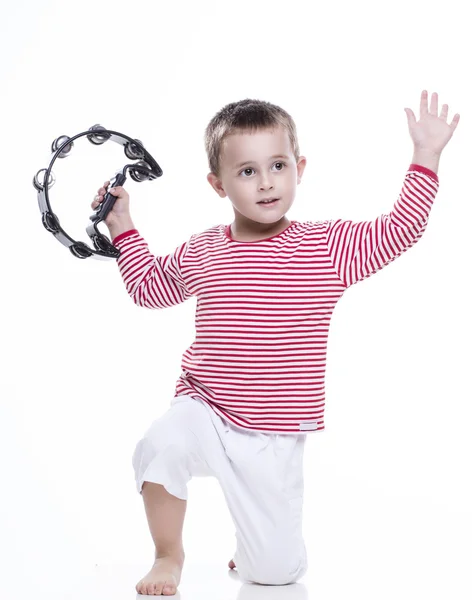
[264, 308]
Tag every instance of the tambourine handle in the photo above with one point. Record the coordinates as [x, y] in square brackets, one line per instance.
[108, 202]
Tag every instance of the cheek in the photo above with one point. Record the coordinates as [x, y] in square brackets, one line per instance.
[238, 188]
[290, 182]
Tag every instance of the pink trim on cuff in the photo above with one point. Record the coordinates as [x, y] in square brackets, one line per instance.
[124, 235]
[424, 170]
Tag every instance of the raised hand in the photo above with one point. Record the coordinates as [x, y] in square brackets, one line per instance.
[431, 132]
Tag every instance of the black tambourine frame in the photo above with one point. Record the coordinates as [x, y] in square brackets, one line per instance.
[145, 169]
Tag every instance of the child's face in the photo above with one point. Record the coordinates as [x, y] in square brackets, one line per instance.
[256, 166]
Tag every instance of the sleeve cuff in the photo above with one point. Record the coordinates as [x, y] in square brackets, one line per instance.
[123, 235]
[425, 170]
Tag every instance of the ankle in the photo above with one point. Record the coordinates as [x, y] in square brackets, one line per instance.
[177, 554]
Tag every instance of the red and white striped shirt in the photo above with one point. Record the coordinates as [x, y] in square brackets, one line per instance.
[264, 307]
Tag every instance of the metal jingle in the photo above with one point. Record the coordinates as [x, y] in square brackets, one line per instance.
[38, 180]
[139, 175]
[102, 243]
[50, 222]
[98, 138]
[80, 250]
[132, 151]
[57, 143]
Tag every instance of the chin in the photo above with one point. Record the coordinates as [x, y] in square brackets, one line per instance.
[274, 218]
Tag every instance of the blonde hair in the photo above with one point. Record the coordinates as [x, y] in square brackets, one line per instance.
[245, 115]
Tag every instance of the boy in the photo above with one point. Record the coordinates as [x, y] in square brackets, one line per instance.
[252, 383]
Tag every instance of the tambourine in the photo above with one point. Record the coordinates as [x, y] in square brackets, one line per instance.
[145, 169]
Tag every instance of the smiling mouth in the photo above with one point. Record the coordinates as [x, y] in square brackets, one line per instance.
[268, 201]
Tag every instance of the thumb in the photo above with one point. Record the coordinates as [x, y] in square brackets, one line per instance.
[410, 117]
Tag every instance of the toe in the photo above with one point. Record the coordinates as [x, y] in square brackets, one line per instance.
[169, 589]
[150, 589]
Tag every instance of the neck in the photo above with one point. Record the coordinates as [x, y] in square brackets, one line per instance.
[250, 231]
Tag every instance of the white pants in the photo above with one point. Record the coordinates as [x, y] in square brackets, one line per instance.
[261, 476]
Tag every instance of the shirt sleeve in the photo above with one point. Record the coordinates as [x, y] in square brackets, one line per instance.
[151, 281]
[358, 250]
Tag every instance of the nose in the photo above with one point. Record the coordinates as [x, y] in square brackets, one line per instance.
[265, 181]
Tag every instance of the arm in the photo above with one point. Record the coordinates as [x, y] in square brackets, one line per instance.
[151, 281]
[360, 249]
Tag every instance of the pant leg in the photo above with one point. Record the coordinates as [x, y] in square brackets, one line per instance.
[262, 481]
[261, 477]
[170, 451]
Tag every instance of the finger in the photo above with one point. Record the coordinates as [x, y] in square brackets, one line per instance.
[424, 104]
[455, 121]
[434, 104]
[444, 111]
[410, 115]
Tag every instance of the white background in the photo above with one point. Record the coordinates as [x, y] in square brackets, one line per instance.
[84, 371]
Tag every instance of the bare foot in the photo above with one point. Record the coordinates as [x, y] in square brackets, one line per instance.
[231, 564]
[163, 578]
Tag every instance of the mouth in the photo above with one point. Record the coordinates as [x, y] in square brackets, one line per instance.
[268, 201]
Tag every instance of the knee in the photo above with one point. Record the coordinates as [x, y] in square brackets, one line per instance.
[264, 575]
[279, 569]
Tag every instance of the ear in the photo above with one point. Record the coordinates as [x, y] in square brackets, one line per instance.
[216, 185]
[301, 164]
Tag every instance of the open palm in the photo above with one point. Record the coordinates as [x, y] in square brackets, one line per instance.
[431, 132]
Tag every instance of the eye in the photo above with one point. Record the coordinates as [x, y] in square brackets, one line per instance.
[279, 166]
[247, 172]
